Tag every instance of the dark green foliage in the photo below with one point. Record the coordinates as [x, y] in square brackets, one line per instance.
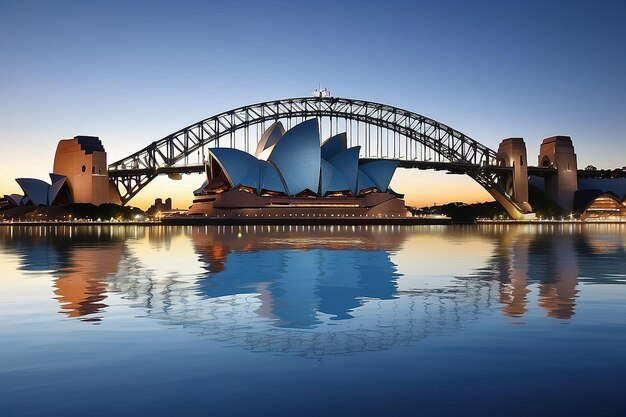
[468, 213]
[543, 204]
[103, 211]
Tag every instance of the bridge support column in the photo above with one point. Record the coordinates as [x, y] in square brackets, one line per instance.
[512, 153]
[558, 152]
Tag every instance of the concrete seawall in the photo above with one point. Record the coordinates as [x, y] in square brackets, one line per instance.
[199, 220]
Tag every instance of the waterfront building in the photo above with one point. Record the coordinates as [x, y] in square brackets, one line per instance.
[83, 161]
[605, 207]
[79, 175]
[291, 175]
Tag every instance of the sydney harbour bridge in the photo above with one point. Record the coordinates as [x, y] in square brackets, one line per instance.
[382, 131]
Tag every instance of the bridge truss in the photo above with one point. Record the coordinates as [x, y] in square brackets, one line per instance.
[382, 131]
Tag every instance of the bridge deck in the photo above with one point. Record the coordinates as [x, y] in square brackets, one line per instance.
[450, 167]
[187, 169]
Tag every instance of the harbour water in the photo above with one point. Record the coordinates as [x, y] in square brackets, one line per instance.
[313, 320]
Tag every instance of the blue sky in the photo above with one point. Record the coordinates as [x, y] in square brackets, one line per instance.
[132, 72]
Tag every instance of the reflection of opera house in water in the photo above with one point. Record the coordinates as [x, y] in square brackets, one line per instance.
[305, 291]
[291, 175]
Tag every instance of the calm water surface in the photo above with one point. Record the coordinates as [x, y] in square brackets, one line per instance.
[477, 321]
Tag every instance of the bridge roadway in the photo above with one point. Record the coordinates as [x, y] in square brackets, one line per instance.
[450, 167]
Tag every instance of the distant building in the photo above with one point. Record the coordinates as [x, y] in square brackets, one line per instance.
[605, 207]
[79, 175]
[159, 207]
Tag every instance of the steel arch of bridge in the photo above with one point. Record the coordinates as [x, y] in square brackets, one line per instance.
[450, 148]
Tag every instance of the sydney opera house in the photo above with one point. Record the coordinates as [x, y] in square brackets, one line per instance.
[291, 175]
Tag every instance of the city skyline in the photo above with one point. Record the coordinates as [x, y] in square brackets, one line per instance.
[491, 71]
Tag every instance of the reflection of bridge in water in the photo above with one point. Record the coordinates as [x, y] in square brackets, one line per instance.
[307, 290]
[573, 254]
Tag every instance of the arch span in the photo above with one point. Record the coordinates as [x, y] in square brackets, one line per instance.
[382, 131]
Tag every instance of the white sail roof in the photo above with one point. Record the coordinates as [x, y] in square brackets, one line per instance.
[297, 157]
[240, 167]
[270, 137]
[380, 172]
[35, 189]
[334, 145]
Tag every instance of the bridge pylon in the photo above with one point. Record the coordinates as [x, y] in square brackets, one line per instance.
[512, 153]
[558, 152]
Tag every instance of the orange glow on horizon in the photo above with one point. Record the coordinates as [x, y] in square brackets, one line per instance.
[421, 188]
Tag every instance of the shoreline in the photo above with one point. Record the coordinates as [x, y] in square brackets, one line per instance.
[203, 221]
[305, 222]
[544, 222]
[326, 221]
[73, 223]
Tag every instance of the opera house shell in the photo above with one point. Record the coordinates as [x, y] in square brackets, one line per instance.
[39, 193]
[292, 175]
